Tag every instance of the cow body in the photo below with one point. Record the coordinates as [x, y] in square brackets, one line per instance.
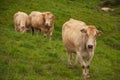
[107, 9]
[79, 38]
[36, 20]
[20, 21]
[42, 21]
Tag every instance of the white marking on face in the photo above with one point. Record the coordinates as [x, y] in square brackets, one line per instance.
[91, 38]
[48, 22]
[48, 19]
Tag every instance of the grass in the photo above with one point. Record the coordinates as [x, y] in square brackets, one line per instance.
[27, 57]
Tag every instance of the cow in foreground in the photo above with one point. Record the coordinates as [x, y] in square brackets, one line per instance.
[20, 22]
[81, 39]
[42, 21]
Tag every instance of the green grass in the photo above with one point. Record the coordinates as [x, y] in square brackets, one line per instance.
[27, 57]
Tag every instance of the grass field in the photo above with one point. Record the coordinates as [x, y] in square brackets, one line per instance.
[27, 57]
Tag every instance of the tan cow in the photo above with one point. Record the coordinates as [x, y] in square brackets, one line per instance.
[81, 39]
[36, 20]
[49, 24]
[107, 9]
[43, 21]
[20, 22]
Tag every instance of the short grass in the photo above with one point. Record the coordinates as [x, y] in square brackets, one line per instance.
[27, 57]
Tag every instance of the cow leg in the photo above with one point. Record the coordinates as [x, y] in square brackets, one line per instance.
[37, 31]
[16, 28]
[32, 30]
[82, 62]
[76, 61]
[69, 59]
[50, 34]
[87, 72]
[44, 34]
[88, 65]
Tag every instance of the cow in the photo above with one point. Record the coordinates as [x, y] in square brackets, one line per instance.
[49, 24]
[107, 9]
[42, 21]
[80, 39]
[21, 22]
[36, 20]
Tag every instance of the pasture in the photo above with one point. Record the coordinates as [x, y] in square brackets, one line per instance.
[28, 57]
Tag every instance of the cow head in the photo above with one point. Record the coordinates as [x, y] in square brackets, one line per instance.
[49, 18]
[91, 33]
[23, 29]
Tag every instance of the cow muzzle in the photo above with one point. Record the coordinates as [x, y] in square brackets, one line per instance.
[90, 46]
[47, 23]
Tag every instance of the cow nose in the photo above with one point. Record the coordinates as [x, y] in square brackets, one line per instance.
[90, 46]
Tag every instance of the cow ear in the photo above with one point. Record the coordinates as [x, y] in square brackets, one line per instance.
[99, 33]
[53, 17]
[83, 30]
[43, 16]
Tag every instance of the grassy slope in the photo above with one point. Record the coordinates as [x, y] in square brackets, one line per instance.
[27, 57]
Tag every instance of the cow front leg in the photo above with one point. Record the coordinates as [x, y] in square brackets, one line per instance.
[88, 64]
[50, 34]
[44, 34]
[16, 28]
[87, 71]
[83, 64]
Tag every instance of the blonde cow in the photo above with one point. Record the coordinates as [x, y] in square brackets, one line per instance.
[81, 39]
[43, 21]
[107, 9]
[20, 22]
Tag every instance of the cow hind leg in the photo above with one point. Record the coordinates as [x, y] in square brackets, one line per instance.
[32, 30]
[69, 59]
[15, 28]
[37, 31]
[76, 61]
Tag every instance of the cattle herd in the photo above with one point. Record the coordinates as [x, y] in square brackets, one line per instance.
[77, 36]
[42, 21]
